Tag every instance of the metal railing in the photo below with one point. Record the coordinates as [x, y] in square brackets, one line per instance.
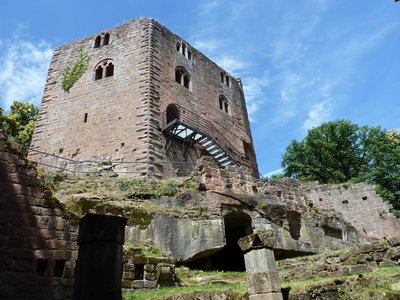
[178, 114]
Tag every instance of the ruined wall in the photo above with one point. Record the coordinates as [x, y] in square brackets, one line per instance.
[119, 117]
[236, 180]
[359, 204]
[37, 239]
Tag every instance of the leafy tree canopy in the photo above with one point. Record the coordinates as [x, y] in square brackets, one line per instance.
[19, 122]
[341, 151]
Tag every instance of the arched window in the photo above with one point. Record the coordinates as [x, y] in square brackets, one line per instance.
[189, 55]
[222, 77]
[178, 76]
[182, 77]
[223, 104]
[97, 42]
[104, 69]
[102, 40]
[98, 73]
[178, 47]
[106, 39]
[227, 80]
[109, 70]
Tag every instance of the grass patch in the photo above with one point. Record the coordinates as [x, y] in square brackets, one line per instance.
[148, 248]
[236, 291]
[366, 286]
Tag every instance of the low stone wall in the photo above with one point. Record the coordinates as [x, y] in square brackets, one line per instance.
[142, 272]
[37, 237]
[356, 259]
[359, 204]
[238, 180]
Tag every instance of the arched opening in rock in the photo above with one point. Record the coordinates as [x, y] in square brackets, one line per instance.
[230, 258]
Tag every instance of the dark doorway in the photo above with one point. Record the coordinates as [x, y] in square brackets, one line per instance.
[172, 113]
[230, 258]
[294, 220]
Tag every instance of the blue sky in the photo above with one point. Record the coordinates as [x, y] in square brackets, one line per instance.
[301, 62]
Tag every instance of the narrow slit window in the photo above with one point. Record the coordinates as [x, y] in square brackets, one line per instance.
[85, 118]
[184, 49]
[97, 42]
[178, 47]
[222, 77]
[227, 80]
[106, 40]
[189, 55]
[59, 268]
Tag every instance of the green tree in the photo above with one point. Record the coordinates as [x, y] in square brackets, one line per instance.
[341, 151]
[385, 167]
[19, 122]
[331, 153]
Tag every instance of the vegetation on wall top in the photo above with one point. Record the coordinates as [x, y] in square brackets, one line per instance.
[340, 151]
[72, 74]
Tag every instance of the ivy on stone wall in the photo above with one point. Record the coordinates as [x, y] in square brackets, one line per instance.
[72, 74]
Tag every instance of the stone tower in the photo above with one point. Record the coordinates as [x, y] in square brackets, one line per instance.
[148, 104]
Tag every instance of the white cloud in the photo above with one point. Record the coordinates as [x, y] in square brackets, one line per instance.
[230, 64]
[318, 113]
[254, 93]
[207, 46]
[24, 66]
[275, 172]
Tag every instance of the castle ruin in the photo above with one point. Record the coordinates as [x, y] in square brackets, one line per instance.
[148, 104]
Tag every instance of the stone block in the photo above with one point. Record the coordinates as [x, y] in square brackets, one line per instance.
[260, 260]
[267, 296]
[263, 282]
[138, 284]
[260, 239]
[150, 284]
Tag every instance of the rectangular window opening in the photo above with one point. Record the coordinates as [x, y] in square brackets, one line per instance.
[364, 198]
[139, 272]
[345, 201]
[59, 268]
[333, 232]
[41, 266]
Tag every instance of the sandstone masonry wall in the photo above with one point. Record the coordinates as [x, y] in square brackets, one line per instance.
[359, 204]
[37, 237]
[119, 118]
[237, 180]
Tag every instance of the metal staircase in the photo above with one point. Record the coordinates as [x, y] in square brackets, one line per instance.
[192, 135]
[190, 128]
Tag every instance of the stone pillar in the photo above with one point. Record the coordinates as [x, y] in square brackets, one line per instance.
[262, 277]
[99, 267]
